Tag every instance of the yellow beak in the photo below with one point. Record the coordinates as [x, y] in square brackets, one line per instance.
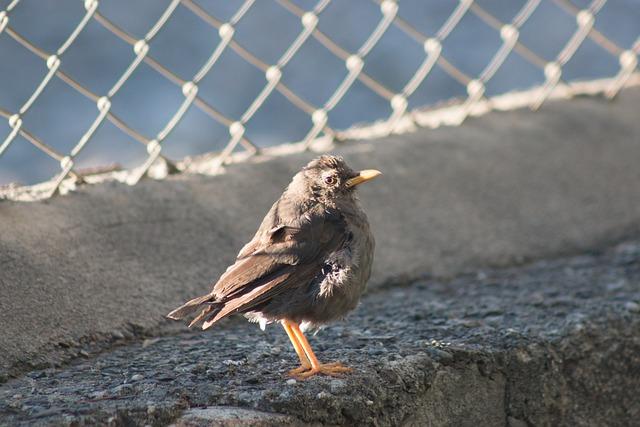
[363, 176]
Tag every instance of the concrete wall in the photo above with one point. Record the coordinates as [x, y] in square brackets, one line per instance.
[110, 259]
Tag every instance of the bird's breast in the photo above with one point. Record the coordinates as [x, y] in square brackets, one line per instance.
[345, 272]
[336, 272]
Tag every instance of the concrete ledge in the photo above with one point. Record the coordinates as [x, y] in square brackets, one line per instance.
[109, 261]
[233, 417]
[553, 343]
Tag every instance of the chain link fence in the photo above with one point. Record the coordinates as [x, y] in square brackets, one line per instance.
[413, 54]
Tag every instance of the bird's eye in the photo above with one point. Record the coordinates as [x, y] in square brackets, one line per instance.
[330, 179]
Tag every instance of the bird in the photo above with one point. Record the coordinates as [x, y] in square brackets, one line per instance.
[306, 266]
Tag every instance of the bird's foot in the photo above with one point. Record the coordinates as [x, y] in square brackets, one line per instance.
[334, 369]
[299, 370]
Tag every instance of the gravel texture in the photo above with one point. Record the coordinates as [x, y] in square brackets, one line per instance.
[554, 342]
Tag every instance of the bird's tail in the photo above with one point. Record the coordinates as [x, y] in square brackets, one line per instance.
[209, 301]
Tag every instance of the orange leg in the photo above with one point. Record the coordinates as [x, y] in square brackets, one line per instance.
[306, 365]
[305, 371]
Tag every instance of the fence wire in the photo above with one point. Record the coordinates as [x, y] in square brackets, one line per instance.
[390, 15]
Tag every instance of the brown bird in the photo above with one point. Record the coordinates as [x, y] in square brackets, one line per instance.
[307, 264]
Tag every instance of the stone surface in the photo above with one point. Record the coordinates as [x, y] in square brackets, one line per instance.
[555, 342]
[233, 417]
[82, 272]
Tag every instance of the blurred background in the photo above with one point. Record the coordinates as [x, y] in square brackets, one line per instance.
[469, 34]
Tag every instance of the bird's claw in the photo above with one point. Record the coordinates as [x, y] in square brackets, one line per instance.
[334, 369]
[299, 370]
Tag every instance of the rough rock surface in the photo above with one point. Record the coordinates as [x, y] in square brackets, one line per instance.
[554, 342]
[104, 264]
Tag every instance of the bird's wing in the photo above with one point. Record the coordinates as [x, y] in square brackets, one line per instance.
[283, 256]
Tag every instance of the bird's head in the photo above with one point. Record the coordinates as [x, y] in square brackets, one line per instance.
[329, 177]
